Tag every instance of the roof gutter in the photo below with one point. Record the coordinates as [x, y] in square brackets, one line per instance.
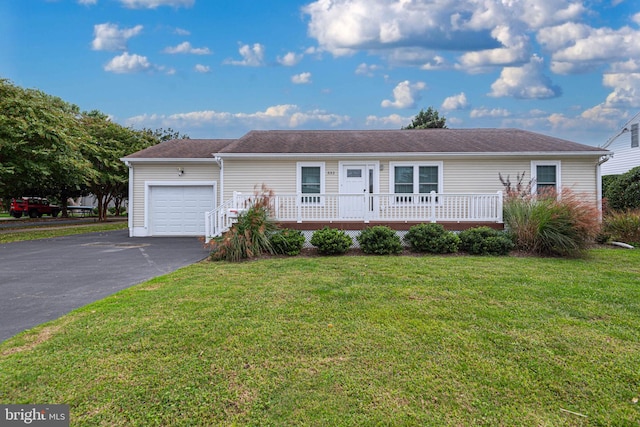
[410, 154]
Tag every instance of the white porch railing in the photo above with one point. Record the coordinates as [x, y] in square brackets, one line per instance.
[431, 207]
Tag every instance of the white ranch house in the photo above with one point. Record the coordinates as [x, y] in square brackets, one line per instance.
[349, 179]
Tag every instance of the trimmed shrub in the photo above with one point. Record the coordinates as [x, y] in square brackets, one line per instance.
[331, 241]
[623, 226]
[485, 241]
[432, 238]
[287, 241]
[550, 225]
[379, 240]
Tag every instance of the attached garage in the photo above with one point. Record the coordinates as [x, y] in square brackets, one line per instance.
[179, 210]
[172, 185]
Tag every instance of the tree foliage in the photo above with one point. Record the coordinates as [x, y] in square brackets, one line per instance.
[623, 191]
[40, 141]
[108, 143]
[429, 119]
[48, 148]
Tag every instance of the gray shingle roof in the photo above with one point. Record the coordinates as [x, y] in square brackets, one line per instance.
[367, 141]
[403, 141]
[183, 149]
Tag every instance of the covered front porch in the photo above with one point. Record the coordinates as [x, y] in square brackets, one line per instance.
[357, 211]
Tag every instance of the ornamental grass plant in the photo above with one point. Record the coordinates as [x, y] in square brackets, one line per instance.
[551, 224]
[623, 226]
[249, 236]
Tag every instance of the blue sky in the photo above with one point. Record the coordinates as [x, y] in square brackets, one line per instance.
[217, 69]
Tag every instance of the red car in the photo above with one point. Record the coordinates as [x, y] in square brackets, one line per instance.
[35, 207]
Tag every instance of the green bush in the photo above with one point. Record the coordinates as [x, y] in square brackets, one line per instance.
[623, 191]
[287, 241]
[331, 241]
[485, 241]
[557, 226]
[379, 240]
[432, 238]
[623, 226]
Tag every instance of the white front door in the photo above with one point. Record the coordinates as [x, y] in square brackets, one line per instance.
[356, 185]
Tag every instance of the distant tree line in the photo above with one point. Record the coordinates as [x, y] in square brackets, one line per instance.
[49, 148]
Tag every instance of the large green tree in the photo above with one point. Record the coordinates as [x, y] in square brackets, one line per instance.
[108, 143]
[429, 119]
[40, 144]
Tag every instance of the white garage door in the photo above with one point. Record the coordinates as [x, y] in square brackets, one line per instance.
[179, 210]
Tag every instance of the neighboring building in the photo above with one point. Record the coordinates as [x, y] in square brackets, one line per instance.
[349, 179]
[625, 146]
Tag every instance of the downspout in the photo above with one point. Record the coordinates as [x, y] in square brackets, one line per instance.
[130, 199]
[220, 163]
[599, 182]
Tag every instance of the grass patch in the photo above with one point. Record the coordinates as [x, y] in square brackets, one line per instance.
[348, 341]
[45, 232]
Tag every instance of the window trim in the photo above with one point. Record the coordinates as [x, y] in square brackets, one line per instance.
[416, 179]
[635, 143]
[299, 167]
[534, 174]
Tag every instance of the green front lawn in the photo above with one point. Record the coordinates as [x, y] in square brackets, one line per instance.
[46, 231]
[354, 340]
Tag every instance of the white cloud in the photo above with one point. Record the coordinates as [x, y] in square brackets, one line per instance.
[182, 32]
[394, 121]
[478, 113]
[343, 27]
[436, 63]
[88, 2]
[252, 56]
[636, 18]
[455, 102]
[626, 90]
[185, 47]
[302, 78]
[515, 51]
[367, 69]
[290, 59]
[277, 116]
[526, 82]
[126, 63]
[110, 37]
[153, 4]
[579, 48]
[405, 95]
[199, 68]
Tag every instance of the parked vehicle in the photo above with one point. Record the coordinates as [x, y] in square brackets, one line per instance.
[35, 207]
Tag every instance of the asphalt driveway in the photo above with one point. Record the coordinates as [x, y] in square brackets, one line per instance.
[41, 280]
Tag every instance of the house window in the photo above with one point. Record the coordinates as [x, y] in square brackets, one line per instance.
[411, 179]
[634, 135]
[546, 177]
[310, 181]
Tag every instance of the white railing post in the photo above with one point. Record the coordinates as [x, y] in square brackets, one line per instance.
[299, 207]
[365, 207]
[207, 227]
[500, 207]
[432, 200]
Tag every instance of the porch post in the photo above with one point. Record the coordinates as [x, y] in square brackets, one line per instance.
[365, 206]
[433, 205]
[500, 207]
